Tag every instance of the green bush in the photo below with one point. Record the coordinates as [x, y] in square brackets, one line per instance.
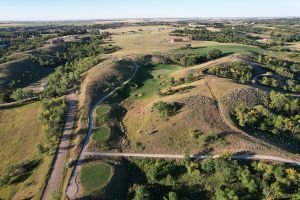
[21, 94]
[166, 109]
[214, 54]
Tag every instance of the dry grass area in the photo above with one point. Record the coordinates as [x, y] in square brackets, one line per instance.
[221, 86]
[18, 138]
[173, 135]
[149, 40]
[295, 46]
[95, 84]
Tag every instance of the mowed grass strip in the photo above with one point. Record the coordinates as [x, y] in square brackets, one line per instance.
[95, 177]
[152, 80]
[101, 134]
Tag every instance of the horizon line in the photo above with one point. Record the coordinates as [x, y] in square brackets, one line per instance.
[147, 18]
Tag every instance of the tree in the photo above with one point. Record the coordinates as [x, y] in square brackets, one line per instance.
[39, 149]
[172, 196]
[214, 54]
[4, 97]
[141, 193]
[21, 94]
[186, 159]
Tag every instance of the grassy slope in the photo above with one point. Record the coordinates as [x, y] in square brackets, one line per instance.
[23, 72]
[18, 137]
[151, 79]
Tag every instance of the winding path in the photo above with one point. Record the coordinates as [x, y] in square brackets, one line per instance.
[58, 168]
[73, 189]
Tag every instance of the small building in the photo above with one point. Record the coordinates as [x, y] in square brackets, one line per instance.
[177, 40]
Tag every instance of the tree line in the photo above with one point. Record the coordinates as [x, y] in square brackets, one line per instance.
[213, 178]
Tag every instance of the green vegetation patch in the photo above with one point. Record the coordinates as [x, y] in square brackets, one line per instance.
[101, 115]
[104, 109]
[94, 177]
[237, 71]
[101, 134]
[151, 79]
[166, 109]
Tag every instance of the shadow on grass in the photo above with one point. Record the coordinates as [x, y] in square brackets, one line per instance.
[23, 170]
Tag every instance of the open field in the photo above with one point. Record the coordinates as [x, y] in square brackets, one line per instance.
[95, 176]
[17, 142]
[157, 39]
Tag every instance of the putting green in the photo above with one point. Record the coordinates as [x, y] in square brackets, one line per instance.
[101, 134]
[94, 177]
[103, 109]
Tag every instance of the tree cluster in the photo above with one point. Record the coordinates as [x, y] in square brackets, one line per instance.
[273, 118]
[215, 178]
[193, 59]
[288, 85]
[284, 68]
[52, 117]
[237, 71]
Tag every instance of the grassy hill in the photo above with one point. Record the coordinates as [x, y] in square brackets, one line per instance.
[18, 138]
[21, 73]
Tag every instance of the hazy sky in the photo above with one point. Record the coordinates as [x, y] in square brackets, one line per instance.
[108, 9]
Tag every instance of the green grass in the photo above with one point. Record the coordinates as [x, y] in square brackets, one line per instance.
[224, 48]
[94, 177]
[104, 109]
[101, 134]
[101, 114]
[151, 79]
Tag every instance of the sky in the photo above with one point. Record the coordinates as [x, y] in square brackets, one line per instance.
[41, 10]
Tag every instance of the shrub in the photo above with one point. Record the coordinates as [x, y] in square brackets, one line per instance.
[214, 54]
[21, 94]
[166, 109]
